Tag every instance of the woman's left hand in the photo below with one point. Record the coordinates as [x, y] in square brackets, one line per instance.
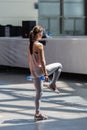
[46, 78]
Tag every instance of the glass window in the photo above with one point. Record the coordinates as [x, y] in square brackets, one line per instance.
[73, 17]
[49, 9]
[73, 1]
[73, 9]
[72, 22]
[49, 1]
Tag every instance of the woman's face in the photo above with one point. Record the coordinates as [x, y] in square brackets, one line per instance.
[39, 35]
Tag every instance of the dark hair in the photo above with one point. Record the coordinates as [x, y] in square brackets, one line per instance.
[33, 36]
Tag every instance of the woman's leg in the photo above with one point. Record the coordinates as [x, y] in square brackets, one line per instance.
[54, 69]
[38, 88]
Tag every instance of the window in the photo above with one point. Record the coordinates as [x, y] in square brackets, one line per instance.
[62, 17]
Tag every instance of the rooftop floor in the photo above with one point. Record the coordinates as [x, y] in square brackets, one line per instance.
[66, 110]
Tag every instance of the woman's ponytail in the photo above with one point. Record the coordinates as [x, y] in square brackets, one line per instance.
[31, 39]
[33, 36]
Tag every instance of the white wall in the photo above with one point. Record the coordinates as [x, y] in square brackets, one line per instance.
[71, 51]
[15, 11]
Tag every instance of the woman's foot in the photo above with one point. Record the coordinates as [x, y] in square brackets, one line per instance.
[39, 117]
[53, 87]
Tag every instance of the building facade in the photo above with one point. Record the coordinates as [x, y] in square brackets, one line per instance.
[63, 17]
[15, 11]
[58, 17]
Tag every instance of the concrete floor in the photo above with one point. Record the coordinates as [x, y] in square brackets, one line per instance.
[66, 111]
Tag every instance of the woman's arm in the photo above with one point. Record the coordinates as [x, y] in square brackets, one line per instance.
[42, 59]
[28, 54]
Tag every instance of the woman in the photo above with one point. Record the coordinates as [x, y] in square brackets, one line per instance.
[38, 67]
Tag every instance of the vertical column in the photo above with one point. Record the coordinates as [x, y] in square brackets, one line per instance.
[61, 16]
[85, 13]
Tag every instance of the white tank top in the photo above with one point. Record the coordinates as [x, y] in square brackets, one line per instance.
[34, 62]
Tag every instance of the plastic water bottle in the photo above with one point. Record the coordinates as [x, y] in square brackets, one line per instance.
[41, 78]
